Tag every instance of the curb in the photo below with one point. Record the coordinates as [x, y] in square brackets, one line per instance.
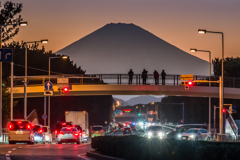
[99, 156]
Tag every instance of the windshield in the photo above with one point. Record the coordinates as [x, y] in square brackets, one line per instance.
[97, 128]
[154, 128]
[191, 131]
[44, 129]
[78, 128]
[36, 128]
[69, 129]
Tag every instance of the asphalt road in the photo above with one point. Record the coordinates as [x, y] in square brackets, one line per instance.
[120, 133]
[44, 151]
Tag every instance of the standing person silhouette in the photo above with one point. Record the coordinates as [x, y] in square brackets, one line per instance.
[130, 74]
[144, 76]
[156, 77]
[163, 74]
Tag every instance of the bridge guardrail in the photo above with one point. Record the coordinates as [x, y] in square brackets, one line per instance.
[123, 79]
[3, 137]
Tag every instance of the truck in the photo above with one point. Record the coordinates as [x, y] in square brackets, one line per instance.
[79, 118]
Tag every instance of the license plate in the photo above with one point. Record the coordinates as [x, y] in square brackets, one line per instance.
[19, 132]
[96, 131]
[184, 138]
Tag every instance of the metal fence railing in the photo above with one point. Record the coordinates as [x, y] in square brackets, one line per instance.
[123, 79]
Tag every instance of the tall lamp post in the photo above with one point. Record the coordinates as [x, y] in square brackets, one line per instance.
[49, 73]
[196, 50]
[221, 98]
[25, 79]
[11, 116]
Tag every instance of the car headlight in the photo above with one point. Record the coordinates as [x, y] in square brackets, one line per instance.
[179, 136]
[160, 134]
[149, 134]
[192, 136]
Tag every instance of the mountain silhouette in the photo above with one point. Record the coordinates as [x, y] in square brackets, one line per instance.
[144, 100]
[116, 48]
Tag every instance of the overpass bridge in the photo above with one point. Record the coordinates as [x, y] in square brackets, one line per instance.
[117, 84]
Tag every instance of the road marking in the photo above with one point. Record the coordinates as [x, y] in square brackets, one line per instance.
[9, 152]
[8, 158]
[20, 147]
[84, 157]
[14, 149]
[7, 155]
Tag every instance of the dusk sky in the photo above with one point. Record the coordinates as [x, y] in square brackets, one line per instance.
[175, 21]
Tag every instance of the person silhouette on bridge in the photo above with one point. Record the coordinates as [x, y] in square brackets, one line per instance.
[163, 74]
[144, 76]
[130, 74]
[156, 77]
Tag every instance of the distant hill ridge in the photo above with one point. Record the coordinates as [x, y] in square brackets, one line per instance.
[116, 48]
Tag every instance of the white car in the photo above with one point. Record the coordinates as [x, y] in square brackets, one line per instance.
[47, 134]
[68, 134]
[155, 132]
[196, 134]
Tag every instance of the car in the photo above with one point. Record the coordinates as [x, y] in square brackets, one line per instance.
[47, 133]
[59, 126]
[68, 134]
[80, 131]
[155, 131]
[20, 131]
[39, 135]
[96, 131]
[196, 134]
[180, 129]
[127, 130]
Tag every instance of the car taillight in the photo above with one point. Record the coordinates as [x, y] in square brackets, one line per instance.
[91, 131]
[63, 124]
[28, 126]
[61, 133]
[130, 129]
[102, 131]
[19, 122]
[80, 133]
[40, 131]
[123, 129]
[10, 126]
[56, 132]
[75, 134]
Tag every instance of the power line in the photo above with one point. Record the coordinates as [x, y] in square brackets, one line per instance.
[38, 69]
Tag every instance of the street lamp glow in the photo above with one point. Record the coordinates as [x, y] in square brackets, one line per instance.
[44, 41]
[193, 50]
[136, 106]
[22, 24]
[202, 31]
[64, 57]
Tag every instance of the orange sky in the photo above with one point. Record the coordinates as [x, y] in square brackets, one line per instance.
[175, 21]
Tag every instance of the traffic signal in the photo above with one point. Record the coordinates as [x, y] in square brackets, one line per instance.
[224, 110]
[190, 83]
[65, 89]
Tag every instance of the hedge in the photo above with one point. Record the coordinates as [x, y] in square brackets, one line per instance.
[141, 148]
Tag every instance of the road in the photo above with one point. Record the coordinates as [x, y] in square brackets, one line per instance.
[44, 151]
[120, 133]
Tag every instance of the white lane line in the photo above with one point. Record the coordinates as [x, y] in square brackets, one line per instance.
[9, 152]
[84, 157]
[8, 158]
[7, 155]
[20, 147]
[14, 149]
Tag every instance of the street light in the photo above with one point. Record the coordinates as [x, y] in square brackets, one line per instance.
[209, 98]
[221, 100]
[25, 79]
[49, 67]
[11, 116]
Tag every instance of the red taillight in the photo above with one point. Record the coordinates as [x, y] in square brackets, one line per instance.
[102, 131]
[130, 129]
[33, 125]
[40, 131]
[19, 122]
[63, 124]
[91, 131]
[123, 129]
[10, 126]
[28, 126]
[69, 128]
[61, 133]
[80, 133]
[56, 132]
[75, 134]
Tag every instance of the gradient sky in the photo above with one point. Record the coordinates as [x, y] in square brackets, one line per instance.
[175, 21]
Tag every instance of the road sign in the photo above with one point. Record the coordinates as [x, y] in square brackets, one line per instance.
[186, 77]
[44, 116]
[48, 86]
[6, 55]
[48, 93]
[62, 80]
[105, 122]
[118, 111]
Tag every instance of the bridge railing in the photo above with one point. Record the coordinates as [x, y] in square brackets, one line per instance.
[123, 79]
